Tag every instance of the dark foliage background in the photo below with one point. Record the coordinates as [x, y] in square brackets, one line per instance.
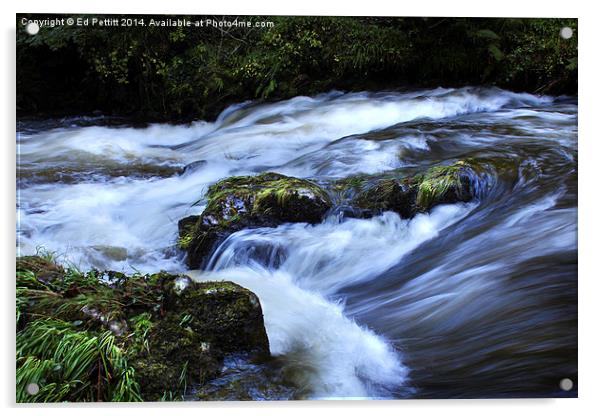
[157, 73]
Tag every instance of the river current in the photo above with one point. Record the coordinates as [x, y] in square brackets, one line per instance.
[471, 299]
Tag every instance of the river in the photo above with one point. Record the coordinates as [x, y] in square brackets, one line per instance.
[472, 299]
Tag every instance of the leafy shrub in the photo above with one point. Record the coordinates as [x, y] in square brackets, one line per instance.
[176, 73]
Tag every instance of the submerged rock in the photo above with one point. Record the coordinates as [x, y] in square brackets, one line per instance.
[173, 331]
[265, 200]
[244, 378]
[458, 182]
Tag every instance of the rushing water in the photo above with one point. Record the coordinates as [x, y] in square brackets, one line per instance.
[469, 300]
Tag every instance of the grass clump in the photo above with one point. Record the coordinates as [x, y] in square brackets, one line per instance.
[69, 364]
[67, 341]
[141, 326]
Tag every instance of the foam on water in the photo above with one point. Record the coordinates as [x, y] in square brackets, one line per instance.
[299, 136]
[288, 128]
[333, 254]
[330, 355]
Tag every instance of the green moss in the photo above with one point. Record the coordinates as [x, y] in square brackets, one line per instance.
[175, 358]
[208, 288]
[186, 231]
[458, 182]
[355, 181]
[349, 185]
[185, 240]
[436, 182]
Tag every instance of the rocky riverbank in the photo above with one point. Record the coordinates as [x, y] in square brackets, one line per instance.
[105, 336]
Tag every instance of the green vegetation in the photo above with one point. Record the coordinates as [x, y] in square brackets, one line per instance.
[63, 347]
[110, 337]
[177, 73]
[70, 364]
[265, 200]
[438, 182]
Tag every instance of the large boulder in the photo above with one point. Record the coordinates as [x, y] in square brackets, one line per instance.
[238, 202]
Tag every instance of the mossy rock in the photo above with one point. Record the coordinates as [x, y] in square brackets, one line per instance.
[389, 195]
[201, 323]
[176, 357]
[461, 181]
[174, 332]
[224, 314]
[265, 200]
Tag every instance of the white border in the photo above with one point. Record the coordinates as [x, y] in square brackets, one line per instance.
[590, 139]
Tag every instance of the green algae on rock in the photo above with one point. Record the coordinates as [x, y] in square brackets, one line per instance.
[444, 184]
[265, 200]
[151, 336]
